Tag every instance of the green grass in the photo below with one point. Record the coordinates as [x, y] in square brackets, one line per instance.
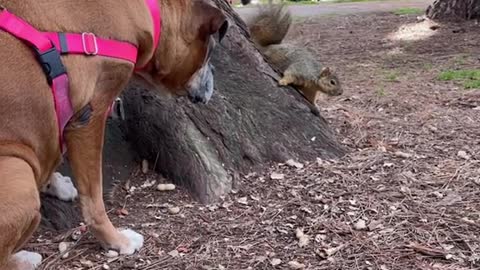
[428, 66]
[408, 11]
[460, 60]
[392, 76]
[469, 77]
[381, 91]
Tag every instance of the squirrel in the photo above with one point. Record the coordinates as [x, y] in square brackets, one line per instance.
[297, 63]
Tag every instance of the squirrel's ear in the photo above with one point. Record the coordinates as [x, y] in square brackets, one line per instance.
[325, 72]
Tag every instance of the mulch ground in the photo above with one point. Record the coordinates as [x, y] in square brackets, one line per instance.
[407, 196]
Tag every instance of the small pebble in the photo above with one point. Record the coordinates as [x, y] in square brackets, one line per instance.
[293, 163]
[166, 187]
[76, 235]
[296, 265]
[111, 254]
[275, 262]
[62, 247]
[144, 166]
[86, 263]
[174, 210]
[105, 266]
[277, 176]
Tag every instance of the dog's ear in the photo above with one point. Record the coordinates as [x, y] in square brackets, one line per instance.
[223, 30]
[212, 20]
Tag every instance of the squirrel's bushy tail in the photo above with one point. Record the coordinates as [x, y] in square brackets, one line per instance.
[270, 25]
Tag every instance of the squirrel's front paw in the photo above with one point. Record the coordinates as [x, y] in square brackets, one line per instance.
[283, 82]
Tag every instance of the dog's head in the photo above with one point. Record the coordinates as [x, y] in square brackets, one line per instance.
[181, 63]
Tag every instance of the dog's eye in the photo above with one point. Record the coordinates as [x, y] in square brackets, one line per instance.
[332, 82]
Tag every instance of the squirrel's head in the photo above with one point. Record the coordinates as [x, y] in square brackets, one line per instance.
[329, 82]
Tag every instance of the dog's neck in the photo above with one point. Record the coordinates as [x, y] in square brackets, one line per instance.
[171, 13]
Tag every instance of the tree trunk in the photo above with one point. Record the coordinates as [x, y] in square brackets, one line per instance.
[454, 10]
[249, 122]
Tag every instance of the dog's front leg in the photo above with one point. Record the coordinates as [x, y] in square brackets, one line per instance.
[85, 146]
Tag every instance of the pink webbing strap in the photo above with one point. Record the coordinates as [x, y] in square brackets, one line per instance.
[43, 46]
[89, 44]
[24, 31]
[63, 105]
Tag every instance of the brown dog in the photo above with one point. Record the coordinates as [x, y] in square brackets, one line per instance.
[29, 148]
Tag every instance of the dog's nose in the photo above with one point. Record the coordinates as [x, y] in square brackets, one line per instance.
[197, 99]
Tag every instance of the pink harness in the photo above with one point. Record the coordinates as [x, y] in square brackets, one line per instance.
[48, 48]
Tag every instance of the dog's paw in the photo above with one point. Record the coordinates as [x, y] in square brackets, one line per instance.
[62, 187]
[28, 260]
[135, 241]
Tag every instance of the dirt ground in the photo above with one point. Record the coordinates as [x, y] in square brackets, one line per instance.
[407, 196]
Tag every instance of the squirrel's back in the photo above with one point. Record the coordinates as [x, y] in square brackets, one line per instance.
[285, 55]
[268, 29]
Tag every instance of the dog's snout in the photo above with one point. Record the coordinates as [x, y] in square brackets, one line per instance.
[197, 99]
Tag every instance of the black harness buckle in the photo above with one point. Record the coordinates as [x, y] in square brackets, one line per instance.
[51, 63]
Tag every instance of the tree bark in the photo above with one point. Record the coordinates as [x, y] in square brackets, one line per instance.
[454, 10]
[249, 122]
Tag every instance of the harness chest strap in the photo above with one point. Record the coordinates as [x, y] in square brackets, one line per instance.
[49, 46]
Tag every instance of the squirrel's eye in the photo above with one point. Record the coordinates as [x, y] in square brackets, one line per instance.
[333, 82]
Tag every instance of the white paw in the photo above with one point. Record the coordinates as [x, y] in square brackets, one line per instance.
[30, 258]
[62, 187]
[135, 241]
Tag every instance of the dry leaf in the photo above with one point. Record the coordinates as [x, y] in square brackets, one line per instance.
[86, 263]
[243, 200]
[403, 155]
[360, 225]
[303, 239]
[432, 252]
[254, 198]
[122, 212]
[174, 253]
[451, 199]
[375, 224]
[463, 155]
